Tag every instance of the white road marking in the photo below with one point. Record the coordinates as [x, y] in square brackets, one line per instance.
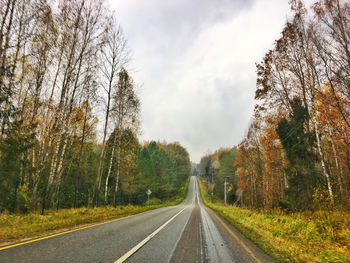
[148, 238]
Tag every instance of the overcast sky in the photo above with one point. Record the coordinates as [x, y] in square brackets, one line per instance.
[194, 61]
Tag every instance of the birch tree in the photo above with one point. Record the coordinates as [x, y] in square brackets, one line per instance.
[125, 111]
[113, 56]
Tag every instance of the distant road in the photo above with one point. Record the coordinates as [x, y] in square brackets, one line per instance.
[185, 233]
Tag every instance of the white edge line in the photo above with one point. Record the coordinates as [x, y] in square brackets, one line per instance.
[148, 238]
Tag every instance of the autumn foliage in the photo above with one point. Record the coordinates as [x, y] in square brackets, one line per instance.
[309, 63]
[69, 110]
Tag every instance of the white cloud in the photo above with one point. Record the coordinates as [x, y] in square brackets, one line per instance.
[197, 66]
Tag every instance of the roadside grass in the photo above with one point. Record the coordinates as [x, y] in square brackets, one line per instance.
[322, 236]
[14, 227]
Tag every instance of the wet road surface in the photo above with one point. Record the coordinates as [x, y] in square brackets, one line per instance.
[188, 232]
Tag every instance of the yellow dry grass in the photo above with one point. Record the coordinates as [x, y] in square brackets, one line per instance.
[14, 227]
[322, 236]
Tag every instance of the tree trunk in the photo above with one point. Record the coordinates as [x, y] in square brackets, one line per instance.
[340, 175]
[324, 170]
[118, 173]
[109, 169]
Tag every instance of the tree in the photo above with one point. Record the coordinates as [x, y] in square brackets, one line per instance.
[14, 167]
[125, 112]
[51, 54]
[114, 56]
[298, 145]
[162, 168]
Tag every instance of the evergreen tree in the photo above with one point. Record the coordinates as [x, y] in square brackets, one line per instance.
[299, 146]
[14, 166]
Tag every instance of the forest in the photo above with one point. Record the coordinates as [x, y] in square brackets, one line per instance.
[296, 152]
[69, 113]
[214, 168]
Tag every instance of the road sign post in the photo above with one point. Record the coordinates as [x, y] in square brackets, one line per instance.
[149, 192]
[225, 190]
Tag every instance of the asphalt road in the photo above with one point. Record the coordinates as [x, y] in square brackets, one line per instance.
[187, 233]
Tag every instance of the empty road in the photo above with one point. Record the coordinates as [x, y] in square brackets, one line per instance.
[188, 232]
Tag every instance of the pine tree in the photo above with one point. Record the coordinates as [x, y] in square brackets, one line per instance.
[299, 146]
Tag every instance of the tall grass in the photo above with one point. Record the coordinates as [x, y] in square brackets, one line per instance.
[322, 236]
[14, 227]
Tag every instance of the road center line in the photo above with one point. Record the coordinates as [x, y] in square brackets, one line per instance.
[148, 238]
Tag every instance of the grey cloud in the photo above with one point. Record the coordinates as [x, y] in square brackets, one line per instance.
[195, 59]
[171, 26]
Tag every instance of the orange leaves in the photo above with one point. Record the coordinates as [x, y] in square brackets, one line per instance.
[77, 115]
[238, 160]
[242, 184]
[329, 116]
[260, 163]
[241, 173]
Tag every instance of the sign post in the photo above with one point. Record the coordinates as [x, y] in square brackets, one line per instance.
[225, 189]
[149, 192]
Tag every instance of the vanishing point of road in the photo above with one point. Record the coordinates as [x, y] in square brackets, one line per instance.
[186, 233]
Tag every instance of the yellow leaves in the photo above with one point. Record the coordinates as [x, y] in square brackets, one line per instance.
[77, 116]
[22, 188]
[159, 144]
[330, 108]
[241, 172]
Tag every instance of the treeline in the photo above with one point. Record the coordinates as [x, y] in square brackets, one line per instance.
[296, 154]
[213, 168]
[63, 71]
[162, 168]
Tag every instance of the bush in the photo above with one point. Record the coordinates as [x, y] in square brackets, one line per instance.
[154, 201]
[23, 200]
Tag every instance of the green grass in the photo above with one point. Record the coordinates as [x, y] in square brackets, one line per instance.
[14, 227]
[322, 236]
